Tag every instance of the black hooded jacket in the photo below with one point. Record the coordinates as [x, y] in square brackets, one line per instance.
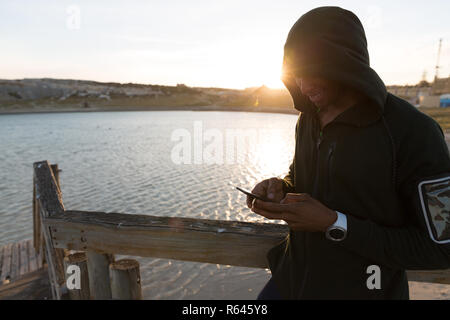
[368, 163]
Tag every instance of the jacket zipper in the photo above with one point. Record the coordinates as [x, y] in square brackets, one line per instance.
[316, 178]
[328, 175]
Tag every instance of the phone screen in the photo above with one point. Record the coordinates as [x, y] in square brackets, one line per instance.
[251, 194]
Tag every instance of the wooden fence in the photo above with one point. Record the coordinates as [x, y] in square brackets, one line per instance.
[90, 240]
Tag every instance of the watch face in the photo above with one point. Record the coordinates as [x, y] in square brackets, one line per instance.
[337, 234]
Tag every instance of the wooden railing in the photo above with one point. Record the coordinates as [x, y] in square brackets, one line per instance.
[101, 235]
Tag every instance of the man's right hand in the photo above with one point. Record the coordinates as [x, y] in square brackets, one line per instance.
[271, 189]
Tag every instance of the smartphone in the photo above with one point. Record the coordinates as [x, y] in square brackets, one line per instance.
[252, 195]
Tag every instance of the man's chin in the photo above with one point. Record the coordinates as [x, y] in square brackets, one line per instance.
[320, 104]
[319, 101]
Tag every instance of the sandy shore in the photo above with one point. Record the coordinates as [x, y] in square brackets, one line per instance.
[41, 109]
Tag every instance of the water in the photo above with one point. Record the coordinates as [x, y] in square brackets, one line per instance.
[124, 162]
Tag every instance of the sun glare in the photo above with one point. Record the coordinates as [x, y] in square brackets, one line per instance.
[269, 155]
[248, 67]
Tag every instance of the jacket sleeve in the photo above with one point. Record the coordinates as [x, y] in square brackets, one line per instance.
[412, 246]
[289, 179]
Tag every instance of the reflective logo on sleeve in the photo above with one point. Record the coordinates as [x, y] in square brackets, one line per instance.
[435, 201]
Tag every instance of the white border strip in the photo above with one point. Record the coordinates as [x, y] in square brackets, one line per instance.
[424, 211]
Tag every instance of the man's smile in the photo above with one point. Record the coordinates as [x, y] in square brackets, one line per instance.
[316, 96]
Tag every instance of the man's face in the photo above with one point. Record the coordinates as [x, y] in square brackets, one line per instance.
[320, 91]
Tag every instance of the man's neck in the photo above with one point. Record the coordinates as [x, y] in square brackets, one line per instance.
[346, 100]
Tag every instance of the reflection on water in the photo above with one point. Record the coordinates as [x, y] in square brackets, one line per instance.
[121, 162]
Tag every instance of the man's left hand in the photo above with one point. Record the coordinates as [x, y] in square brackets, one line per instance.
[299, 210]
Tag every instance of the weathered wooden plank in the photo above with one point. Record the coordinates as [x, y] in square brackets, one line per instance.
[222, 242]
[59, 253]
[5, 275]
[24, 266]
[56, 170]
[51, 262]
[432, 276]
[47, 190]
[33, 254]
[15, 261]
[19, 259]
[50, 203]
[32, 286]
[1, 261]
[37, 235]
[40, 257]
[32, 259]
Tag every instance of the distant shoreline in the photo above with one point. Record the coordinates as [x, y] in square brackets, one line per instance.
[291, 110]
[442, 116]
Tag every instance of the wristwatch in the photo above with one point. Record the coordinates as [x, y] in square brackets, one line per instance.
[338, 230]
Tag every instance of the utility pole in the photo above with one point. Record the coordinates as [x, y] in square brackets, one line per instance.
[437, 62]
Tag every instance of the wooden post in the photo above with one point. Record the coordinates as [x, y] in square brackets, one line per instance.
[37, 234]
[56, 170]
[36, 221]
[78, 259]
[50, 204]
[98, 271]
[125, 280]
[60, 253]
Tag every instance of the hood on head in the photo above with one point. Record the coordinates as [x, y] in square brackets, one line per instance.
[330, 42]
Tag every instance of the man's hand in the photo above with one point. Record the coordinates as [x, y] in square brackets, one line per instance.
[299, 210]
[271, 189]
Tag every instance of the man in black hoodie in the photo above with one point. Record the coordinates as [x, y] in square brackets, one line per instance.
[368, 192]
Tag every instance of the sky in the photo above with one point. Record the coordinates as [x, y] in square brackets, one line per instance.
[206, 43]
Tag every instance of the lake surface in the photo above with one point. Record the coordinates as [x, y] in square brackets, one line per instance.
[172, 163]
